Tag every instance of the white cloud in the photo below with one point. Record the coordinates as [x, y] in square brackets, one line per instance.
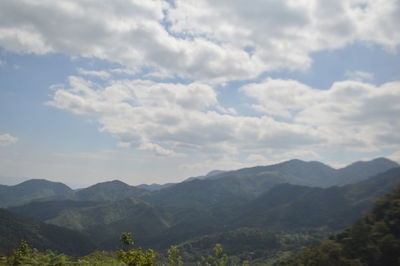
[282, 98]
[171, 119]
[202, 39]
[176, 119]
[7, 139]
[350, 115]
[359, 75]
[100, 74]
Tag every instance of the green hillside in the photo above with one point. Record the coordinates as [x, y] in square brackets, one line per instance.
[104, 223]
[372, 240]
[42, 236]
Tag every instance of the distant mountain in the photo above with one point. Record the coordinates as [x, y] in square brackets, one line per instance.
[31, 190]
[108, 191]
[203, 193]
[39, 235]
[248, 183]
[358, 171]
[292, 206]
[252, 180]
[154, 187]
[317, 174]
[301, 172]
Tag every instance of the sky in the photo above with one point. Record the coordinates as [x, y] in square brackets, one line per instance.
[157, 91]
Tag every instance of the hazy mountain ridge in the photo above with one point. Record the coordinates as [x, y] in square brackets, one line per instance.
[317, 174]
[293, 171]
[31, 190]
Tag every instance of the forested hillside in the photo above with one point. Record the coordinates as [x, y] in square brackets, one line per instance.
[372, 240]
[40, 235]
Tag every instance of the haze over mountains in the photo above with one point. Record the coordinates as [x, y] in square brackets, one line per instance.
[292, 197]
[293, 172]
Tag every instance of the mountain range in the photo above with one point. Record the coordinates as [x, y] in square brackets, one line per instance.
[289, 198]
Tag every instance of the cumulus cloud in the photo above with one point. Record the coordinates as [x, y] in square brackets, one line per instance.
[352, 114]
[282, 98]
[173, 119]
[7, 139]
[202, 39]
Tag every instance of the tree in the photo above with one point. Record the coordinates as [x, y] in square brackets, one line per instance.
[134, 257]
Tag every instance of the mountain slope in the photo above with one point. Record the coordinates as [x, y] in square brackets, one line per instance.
[372, 240]
[45, 210]
[290, 206]
[31, 190]
[108, 191]
[105, 222]
[42, 236]
[202, 193]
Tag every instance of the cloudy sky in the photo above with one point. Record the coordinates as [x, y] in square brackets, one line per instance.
[160, 90]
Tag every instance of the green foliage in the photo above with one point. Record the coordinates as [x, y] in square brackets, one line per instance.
[328, 253]
[126, 239]
[24, 255]
[217, 258]
[173, 256]
[135, 257]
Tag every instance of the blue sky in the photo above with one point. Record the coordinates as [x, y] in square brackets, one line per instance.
[159, 91]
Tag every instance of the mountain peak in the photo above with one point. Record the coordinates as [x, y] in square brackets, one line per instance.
[112, 183]
[31, 190]
[380, 161]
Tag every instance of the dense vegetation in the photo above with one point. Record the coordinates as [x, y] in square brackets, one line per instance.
[372, 240]
[43, 236]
